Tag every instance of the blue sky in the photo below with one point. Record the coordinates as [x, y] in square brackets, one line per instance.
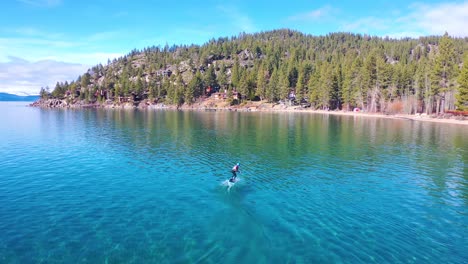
[45, 41]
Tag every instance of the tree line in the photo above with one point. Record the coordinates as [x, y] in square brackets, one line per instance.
[336, 71]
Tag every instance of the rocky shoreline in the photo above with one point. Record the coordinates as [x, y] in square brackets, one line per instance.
[216, 105]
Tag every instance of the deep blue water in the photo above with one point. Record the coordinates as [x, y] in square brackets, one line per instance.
[110, 186]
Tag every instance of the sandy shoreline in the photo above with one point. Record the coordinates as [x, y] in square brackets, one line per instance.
[398, 116]
[214, 105]
[266, 107]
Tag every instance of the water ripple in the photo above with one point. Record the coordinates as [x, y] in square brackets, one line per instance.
[133, 187]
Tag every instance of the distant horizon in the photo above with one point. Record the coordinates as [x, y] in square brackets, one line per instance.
[21, 94]
[2, 95]
[45, 41]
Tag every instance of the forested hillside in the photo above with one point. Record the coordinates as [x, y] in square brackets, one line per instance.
[337, 71]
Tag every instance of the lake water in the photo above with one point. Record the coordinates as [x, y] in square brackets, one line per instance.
[111, 186]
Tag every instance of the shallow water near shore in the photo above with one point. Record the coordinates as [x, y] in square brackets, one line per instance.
[131, 186]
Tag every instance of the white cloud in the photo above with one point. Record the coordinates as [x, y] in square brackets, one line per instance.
[31, 58]
[313, 15]
[438, 18]
[41, 3]
[19, 76]
[94, 57]
[239, 21]
[404, 34]
[30, 32]
[421, 20]
[35, 45]
[366, 25]
[103, 36]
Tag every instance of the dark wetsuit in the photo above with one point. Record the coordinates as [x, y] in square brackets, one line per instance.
[234, 170]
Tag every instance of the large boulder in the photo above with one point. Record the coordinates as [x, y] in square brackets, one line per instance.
[245, 55]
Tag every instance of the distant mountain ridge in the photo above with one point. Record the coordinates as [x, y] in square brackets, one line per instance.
[14, 97]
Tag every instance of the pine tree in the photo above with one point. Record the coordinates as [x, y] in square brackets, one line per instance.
[124, 82]
[300, 85]
[164, 87]
[313, 85]
[243, 87]
[199, 85]
[178, 98]
[117, 92]
[235, 73]
[291, 70]
[272, 91]
[326, 84]
[261, 83]
[57, 92]
[210, 77]
[168, 85]
[252, 83]
[382, 83]
[283, 84]
[420, 83]
[369, 73]
[73, 88]
[189, 93]
[462, 96]
[43, 94]
[442, 72]
[139, 86]
[180, 87]
[336, 87]
[347, 89]
[221, 78]
[85, 80]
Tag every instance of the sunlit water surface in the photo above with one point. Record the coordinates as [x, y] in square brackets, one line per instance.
[110, 186]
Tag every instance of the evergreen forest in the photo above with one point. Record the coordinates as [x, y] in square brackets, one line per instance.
[339, 71]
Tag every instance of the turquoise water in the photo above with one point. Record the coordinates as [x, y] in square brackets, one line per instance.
[110, 186]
